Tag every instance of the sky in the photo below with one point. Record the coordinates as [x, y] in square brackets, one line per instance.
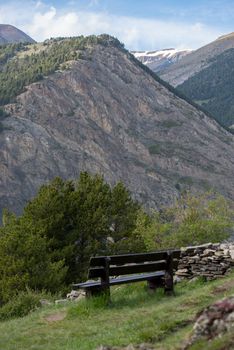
[139, 24]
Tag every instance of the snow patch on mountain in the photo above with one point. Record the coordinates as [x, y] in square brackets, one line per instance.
[160, 59]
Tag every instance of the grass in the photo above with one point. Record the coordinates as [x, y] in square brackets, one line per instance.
[133, 316]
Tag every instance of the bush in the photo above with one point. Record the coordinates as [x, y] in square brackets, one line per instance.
[21, 305]
[25, 261]
[192, 220]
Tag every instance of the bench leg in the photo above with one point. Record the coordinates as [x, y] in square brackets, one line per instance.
[168, 284]
[97, 291]
[155, 283]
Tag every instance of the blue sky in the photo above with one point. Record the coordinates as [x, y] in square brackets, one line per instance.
[140, 24]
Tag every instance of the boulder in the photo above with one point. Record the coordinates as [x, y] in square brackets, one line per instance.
[214, 321]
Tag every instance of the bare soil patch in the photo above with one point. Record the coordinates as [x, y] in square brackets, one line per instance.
[59, 316]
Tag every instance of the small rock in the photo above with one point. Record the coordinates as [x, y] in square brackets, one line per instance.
[80, 297]
[231, 252]
[110, 240]
[45, 302]
[73, 295]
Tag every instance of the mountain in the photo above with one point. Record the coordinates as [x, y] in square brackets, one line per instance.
[206, 77]
[161, 59]
[81, 107]
[10, 34]
[197, 60]
[213, 88]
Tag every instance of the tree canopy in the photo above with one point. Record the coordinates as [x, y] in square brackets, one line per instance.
[66, 223]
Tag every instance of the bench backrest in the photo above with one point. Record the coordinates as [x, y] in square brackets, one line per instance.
[117, 265]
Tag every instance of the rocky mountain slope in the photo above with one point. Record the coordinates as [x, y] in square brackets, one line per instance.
[93, 113]
[160, 59]
[197, 60]
[10, 34]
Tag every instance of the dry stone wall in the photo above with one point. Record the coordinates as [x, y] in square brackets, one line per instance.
[209, 261]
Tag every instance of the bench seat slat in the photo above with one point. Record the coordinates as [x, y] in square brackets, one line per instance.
[121, 280]
[136, 278]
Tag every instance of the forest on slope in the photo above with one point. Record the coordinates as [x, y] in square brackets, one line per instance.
[213, 87]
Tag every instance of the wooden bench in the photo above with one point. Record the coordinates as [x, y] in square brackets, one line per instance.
[156, 268]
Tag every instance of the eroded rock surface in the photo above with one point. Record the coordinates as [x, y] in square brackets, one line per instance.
[100, 117]
[214, 321]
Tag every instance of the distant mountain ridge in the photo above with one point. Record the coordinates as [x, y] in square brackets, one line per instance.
[197, 60]
[10, 34]
[161, 59]
[206, 76]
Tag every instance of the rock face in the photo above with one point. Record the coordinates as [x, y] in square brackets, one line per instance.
[98, 116]
[160, 59]
[10, 34]
[210, 261]
[197, 60]
[214, 321]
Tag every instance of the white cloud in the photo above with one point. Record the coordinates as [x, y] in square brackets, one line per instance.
[42, 22]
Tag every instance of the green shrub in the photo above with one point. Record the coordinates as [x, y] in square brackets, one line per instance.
[25, 260]
[192, 220]
[21, 305]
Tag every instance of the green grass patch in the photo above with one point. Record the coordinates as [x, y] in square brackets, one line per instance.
[133, 316]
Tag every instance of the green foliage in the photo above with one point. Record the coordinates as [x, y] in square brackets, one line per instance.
[192, 220]
[49, 246]
[123, 214]
[25, 262]
[19, 71]
[9, 51]
[21, 305]
[152, 230]
[213, 87]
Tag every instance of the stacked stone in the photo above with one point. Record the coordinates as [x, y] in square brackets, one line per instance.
[209, 261]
